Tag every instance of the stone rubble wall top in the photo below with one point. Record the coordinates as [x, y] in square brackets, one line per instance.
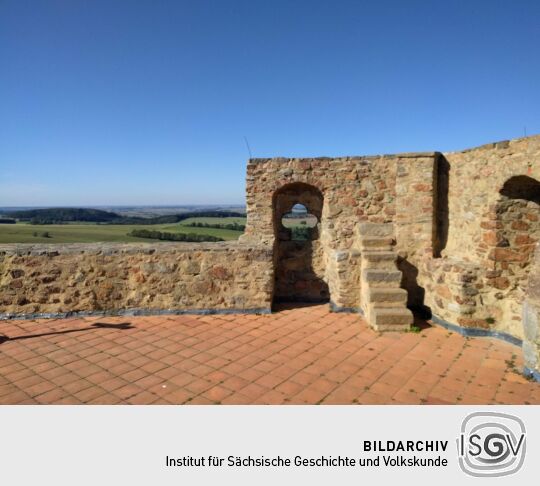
[503, 144]
[53, 249]
[348, 158]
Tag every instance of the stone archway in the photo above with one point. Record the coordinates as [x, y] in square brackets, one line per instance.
[511, 230]
[298, 263]
[518, 230]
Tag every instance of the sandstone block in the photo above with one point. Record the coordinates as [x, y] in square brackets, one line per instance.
[506, 255]
[520, 225]
[376, 243]
[389, 319]
[379, 259]
[389, 296]
[382, 278]
[376, 229]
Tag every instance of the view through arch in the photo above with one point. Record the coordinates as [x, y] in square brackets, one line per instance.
[298, 255]
[300, 222]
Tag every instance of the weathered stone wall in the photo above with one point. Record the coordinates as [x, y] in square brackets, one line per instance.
[299, 265]
[476, 177]
[354, 189]
[485, 237]
[114, 277]
[299, 272]
[464, 224]
[415, 204]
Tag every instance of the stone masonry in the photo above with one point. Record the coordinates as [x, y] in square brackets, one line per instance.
[383, 301]
[152, 278]
[452, 235]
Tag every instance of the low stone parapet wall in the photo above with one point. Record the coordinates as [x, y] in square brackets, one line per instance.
[459, 293]
[135, 277]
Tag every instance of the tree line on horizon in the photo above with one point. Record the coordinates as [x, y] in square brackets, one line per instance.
[229, 226]
[68, 215]
[164, 236]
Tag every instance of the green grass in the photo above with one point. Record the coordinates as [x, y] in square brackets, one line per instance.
[213, 221]
[309, 221]
[91, 233]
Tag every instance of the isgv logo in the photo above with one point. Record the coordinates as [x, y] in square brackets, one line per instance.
[491, 444]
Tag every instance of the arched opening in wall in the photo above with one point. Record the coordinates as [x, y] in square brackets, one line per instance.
[522, 187]
[512, 234]
[300, 223]
[298, 254]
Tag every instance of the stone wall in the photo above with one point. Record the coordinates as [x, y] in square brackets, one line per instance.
[354, 190]
[485, 232]
[172, 277]
[464, 227]
[299, 272]
[299, 265]
[415, 204]
[476, 177]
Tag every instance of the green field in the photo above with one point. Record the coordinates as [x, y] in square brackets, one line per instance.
[91, 233]
[308, 221]
[213, 221]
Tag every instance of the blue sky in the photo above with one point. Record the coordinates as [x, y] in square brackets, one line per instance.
[147, 102]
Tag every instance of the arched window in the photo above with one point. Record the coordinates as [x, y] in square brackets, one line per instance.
[522, 187]
[299, 257]
[300, 222]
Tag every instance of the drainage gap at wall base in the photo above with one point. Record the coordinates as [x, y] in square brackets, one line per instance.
[131, 312]
[477, 332]
[531, 374]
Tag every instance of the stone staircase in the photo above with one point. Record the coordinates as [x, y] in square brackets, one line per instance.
[382, 299]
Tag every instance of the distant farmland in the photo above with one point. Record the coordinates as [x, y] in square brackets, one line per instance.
[221, 221]
[77, 232]
[310, 221]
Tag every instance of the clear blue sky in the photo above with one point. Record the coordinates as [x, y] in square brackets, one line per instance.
[147, 102]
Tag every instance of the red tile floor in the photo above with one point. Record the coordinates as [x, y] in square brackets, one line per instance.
[303, 355]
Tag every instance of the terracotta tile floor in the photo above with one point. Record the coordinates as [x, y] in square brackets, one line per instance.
[296, 356]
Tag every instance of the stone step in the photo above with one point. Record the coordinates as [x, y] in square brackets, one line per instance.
[387, 296]
[391, 319]
[379, 259]
[376, 229]
[376, 243]
[382, 278]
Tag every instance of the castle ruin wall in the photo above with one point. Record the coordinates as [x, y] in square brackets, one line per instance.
[134, 277]
[465, 228]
